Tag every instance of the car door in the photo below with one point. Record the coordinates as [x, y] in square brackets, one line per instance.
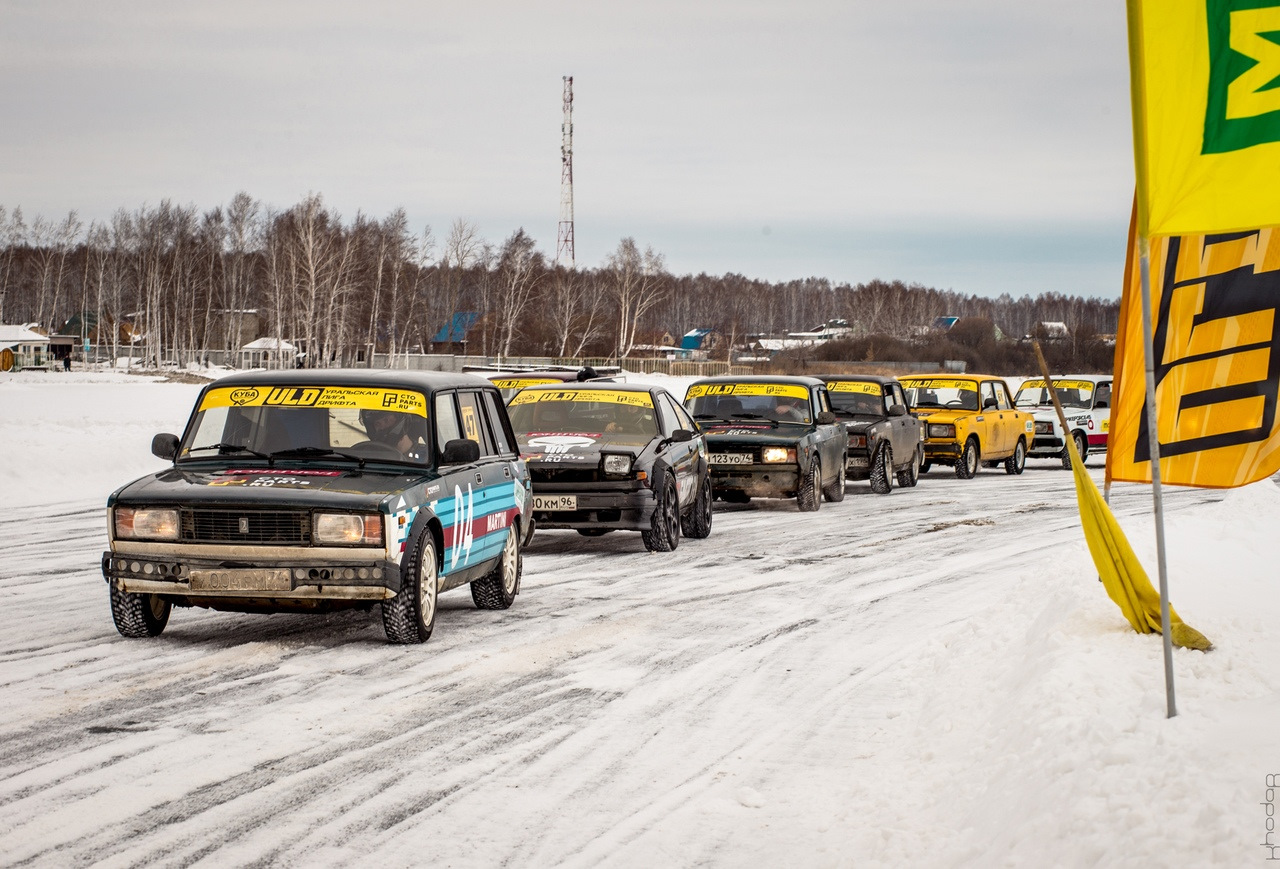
[831, 437]
[682, 456]
[493, 498]
[993, 435]
[1014, 424]
[904, 430]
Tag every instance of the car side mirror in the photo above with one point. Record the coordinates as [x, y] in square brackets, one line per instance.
[826, 417]
[989, 404]
[164, 446]
[680, 436]
[897, 410]
[1101, 404]
[460, 451]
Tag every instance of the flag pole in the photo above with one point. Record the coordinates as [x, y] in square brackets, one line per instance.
[1153, 444]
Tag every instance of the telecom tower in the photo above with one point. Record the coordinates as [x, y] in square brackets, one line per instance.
[564, 237]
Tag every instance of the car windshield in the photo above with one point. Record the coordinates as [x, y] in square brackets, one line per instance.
[775, 402]
[1071, 393]
[942, 392]
[310, 423]
[856, 398]
[509, 386]
[583, 411]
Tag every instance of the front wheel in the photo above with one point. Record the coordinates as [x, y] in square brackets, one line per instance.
[967, 462]
[835, 491]
[138, 615]
[882, 470]
[697, 524]
[497, 590]
[1016, 462]
[1082, 447]
[807, 498]
[910, 475]
[664, 528]
[410, 616]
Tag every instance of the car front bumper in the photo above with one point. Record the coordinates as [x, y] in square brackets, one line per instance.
[624, 506]
[757, 481]
[941, 451]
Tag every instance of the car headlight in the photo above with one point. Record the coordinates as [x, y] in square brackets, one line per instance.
[617, 464]
[146, 524]
[940, 430]
[777, 455]
[348, 529]
[1044, 428]
[857, 440]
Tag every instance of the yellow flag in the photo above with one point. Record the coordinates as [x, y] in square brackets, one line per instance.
[1205, 82]
[1216, 342]
[1119, 569]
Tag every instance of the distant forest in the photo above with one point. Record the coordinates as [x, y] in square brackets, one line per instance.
[165, 276]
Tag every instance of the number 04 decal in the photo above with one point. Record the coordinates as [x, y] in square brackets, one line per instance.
[464, 540]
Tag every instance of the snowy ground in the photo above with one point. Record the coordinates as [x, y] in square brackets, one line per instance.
[932, 677]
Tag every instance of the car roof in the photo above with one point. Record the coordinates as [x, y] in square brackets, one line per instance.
[590, 386]
[424, 381]
[761, 378]
[858, 378]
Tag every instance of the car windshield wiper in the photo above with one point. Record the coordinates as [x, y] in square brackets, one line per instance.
[300, 452]
[748, 416]
[230, 448]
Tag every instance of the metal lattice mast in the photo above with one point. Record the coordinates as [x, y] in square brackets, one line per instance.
[564, 237]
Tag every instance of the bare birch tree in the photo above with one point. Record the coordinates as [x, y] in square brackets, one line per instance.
[635, 283]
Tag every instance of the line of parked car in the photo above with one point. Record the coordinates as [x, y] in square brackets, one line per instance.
[321, 490]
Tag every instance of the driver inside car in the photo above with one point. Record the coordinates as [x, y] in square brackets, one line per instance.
[390, 428]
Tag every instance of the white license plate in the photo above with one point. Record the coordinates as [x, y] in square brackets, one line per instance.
[240, 580]
[856, 462]
[731, 458]
[559, 503]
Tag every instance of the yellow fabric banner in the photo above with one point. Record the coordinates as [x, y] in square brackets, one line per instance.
[1206, 114]
[1217, 362]
[1121, 573]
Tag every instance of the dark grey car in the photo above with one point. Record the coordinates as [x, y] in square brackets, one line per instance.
[884, 440]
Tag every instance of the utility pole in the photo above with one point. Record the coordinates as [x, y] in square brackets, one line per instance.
[564, 236]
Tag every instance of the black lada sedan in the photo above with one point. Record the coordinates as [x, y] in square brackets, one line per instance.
[614, 456]
[884, 440]
[323, 490]
[770, 437]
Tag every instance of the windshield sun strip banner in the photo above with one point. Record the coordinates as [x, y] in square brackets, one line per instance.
[939, 383]
[358, 397]
[1059, 384]
[853, 386]
[600, 396]
[792, 390]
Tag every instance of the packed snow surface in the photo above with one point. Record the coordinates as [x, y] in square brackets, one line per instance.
[932, 677]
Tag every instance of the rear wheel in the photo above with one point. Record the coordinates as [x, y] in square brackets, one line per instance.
[594, 532]
[882, 470]
[925, 466]
[498, 590]
[138, 615]
[835, 491]
[967, 462]
[807, 498]
[910, 475]
[664, 528]
[697, 524]
[1016, 462]
[410, 616]
[1082, 447]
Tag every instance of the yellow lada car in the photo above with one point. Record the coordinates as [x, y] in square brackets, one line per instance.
[969, 419]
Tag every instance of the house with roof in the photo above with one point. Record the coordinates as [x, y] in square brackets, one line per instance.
[22, 347]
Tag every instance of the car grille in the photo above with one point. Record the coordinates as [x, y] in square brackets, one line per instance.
[291, 527]
[564, 475]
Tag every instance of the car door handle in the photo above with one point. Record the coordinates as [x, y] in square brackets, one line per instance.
[479, 477]
[506, 471]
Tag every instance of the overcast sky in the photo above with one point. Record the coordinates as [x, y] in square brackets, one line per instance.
[978, 146]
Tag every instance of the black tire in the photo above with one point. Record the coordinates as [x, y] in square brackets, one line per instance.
[835, 491]
[882, 469]
[910, 475]
[925, 466]
[138, 615]
[1016, 462]
[808, 498]
[1082, 446]
[697, 525]
[498, 589]
[594, 532]
[734, 496]
[967, 463]
[410, 616]
[664, 532]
